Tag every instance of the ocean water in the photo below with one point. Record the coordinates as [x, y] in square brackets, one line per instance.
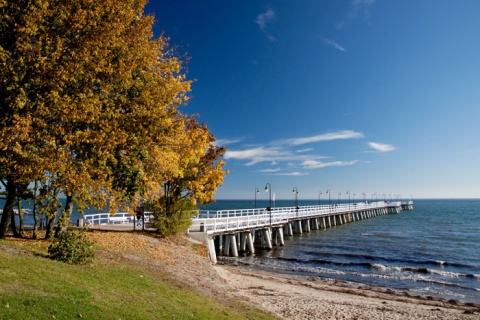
[433, 250]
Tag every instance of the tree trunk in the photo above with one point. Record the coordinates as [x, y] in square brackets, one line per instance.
[50, 226]
[13, 225]
[8, 208]
[21, 227]
[35, 217]
[65, 218]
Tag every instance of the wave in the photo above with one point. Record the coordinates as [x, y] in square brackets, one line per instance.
[352, 265]
[389, 261]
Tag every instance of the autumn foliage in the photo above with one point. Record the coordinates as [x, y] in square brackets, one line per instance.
[90, 109]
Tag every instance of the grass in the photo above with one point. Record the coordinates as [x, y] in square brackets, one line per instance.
[35, 287]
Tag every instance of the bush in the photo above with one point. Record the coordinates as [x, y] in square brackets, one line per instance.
[177, 219]
[72, 247]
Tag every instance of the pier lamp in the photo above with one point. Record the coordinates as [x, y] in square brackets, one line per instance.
[319, 195]
[255, 202]
[348, 192]
[268, 188]
[329, 202]
[295, 192]
[353, 198]
[364, 199]
[339, 197]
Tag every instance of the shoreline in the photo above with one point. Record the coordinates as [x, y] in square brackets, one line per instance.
[284, 296]
[304, 297]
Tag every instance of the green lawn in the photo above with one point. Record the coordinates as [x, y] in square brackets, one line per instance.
[34, 287]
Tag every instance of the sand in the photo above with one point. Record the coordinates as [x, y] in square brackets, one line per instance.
[295, 297]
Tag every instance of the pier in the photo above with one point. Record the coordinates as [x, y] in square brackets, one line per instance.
[228, 232]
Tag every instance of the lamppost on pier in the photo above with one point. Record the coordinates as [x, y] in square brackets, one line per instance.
[348, 192]
[255, 202]
[268, 188]
[295, 192]
[339, 197]
[329, 202]
[319, 195]
[353, 199]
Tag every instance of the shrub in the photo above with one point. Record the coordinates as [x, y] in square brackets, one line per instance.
[177, 219]
[72, 247]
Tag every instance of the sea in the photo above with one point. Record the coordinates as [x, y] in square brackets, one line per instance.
[432, 250]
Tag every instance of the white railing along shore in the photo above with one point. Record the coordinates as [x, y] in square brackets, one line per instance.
[107, 218]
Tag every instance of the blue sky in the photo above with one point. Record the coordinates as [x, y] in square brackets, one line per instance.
[369, 96]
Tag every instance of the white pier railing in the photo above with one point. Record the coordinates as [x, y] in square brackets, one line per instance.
[231, 220]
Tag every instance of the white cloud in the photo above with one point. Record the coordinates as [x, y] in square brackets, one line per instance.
[304, 150]
[260, 154]
[333, 44]
[224, 142]
[295, 174]
[263, 20]
[313, 164]
[381, 147]
[269, 170]
[345, 134]
[282, 152]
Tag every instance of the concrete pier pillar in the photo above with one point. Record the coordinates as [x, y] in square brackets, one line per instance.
[279, 236]
[243, 241]
[218, 244]
[267, 238]
[297, 226]
[290, 229]
[250, 245]
[308, 227]
[274, 236]
[233, 244]
[211, 250]
[226, 245]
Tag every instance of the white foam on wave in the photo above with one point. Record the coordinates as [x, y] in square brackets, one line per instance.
[379, 266]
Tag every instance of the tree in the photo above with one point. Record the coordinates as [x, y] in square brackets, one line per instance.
[89, 109]
[87, 99]
[195, 180]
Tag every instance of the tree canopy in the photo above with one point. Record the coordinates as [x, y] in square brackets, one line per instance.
[90, 107]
